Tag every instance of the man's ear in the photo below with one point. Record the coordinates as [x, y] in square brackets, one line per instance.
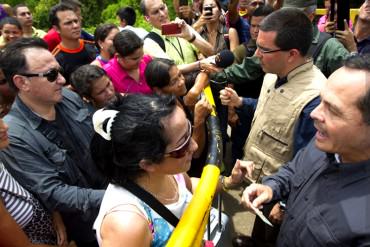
[147, 165]
[146, 18]
[293, 53]
[21, 83]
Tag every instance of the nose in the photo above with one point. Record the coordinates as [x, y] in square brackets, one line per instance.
[110, 92]
[181, 81]
[76, 24]
[162, 12]
[316, 114]
[193, 145]
[60, 79]
[258, 53]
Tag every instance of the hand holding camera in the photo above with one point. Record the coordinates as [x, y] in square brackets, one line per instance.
[207, 12]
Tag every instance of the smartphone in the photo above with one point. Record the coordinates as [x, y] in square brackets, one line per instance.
[208, 10]
[332, 9]
[183, 2]
[170, 28]
[342, 13]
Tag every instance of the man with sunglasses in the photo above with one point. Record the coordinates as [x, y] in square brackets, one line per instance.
[50, 131]
[281, 116]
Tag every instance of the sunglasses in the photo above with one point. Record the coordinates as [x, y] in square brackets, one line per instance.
[50, 75]
[181, 151]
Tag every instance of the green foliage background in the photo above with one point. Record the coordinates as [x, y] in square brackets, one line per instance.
[94, 12]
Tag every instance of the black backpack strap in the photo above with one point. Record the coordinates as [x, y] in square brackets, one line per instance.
[316, 48]
[156, 38]
[152, 202]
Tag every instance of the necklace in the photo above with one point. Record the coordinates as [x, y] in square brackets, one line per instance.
[161, 197]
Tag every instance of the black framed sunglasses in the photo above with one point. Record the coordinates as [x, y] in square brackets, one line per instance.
[50, 75]
[180, 151]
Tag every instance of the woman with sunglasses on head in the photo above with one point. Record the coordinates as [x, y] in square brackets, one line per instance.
[144, 141]
[126, 68]
[212, 29]
[164, 77]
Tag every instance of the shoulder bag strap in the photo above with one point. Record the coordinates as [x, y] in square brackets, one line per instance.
[152, 202]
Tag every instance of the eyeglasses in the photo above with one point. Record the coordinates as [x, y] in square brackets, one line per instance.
[180, 151]
[50, 75]
[265, 51]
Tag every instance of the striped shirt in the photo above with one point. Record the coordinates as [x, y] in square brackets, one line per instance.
[16, 199]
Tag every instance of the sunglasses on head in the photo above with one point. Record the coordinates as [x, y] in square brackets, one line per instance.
[181, 151]
[50, 75]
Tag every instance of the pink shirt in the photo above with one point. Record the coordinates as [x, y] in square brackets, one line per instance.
[322, 21]
[123, 82]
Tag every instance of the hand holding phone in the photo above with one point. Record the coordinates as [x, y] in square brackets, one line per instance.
[208, 10]
[171, 28]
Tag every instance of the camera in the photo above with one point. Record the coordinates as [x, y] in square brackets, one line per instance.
[208, 10]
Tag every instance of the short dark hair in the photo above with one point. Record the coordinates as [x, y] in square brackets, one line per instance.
[362, 62]
[263, 10]
[128, 14]
[83, 78]
[12, 21]
[126, 42]
[75, 4]
[294, 29]
[101, 33]
[53, 18]
[157, 72]
[143, 7]
[137, 134]
[15, 8]
[14, 61]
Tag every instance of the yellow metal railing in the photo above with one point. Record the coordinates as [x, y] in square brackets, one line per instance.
[192, 225]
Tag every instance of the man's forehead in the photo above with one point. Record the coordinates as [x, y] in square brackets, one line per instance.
[153, 4]
[347, 83]
[37, 57]
[66, 14]
[22, 9]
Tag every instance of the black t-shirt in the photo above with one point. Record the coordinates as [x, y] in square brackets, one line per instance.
[70, 60]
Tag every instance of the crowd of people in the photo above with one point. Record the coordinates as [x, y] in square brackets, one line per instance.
[94, 128]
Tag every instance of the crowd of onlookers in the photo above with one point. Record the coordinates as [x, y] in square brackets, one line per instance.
[95, 127]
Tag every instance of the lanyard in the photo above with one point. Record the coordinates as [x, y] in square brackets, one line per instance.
[181, 54]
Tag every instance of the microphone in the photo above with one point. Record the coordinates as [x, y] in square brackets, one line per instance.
[224, 59]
